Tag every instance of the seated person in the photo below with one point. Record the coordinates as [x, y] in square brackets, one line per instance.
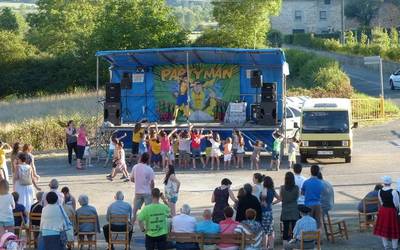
[86, 210]
[305, 224]
[371, 208]
[184, 223]
[250, 226]
[207, 226]
[228, 226]
[118, 207]
[68, 198]
[18, 208]
[37, 207]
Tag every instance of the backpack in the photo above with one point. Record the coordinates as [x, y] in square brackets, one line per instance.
[25, 175]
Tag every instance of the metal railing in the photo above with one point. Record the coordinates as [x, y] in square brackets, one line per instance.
[369, 109]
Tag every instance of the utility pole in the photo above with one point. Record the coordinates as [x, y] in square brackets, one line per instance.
[342, 22]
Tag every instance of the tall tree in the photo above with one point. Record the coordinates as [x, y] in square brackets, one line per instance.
[362, 10]
[242, 23]
[8, 20]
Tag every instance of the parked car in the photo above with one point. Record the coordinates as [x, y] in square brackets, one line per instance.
[394, 80]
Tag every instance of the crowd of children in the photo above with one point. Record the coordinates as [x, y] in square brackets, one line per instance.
[185, 149]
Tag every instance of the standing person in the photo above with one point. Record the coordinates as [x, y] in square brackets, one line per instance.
[255, 156]
[196, 136]
[258, 185]
[289, 194]
[143, 177]
[111, 147]
[221, 197]
[312, 189]
[16, 149]
[69, 199]
[228, 226]
[52, 223]
[292, 151]
[71, 139]
[327, 195]
[172, 185]
[153, 222]
[184, 149]
[137, 133]
[82, 141]
[208, 151]
[248, 201]
[166, 150]
[387, 225]
[28, 149]
[227, 153]
[235, 146]
[215, 151]
[267, 197]
[299, 180]
[276, 150]
[240, 150]
[119, 163]
[7, 205]
[24, 182]
[4, 148]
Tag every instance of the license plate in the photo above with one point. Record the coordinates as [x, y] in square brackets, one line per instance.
[325, 152]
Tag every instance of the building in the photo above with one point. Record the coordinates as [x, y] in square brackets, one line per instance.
[308, 16]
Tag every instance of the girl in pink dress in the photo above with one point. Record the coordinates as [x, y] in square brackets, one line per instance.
[166, 150]
[82, 141]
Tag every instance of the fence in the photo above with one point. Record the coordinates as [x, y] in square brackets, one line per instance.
[369, 109]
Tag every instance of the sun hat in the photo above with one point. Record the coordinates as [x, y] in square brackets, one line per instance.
[387, 180]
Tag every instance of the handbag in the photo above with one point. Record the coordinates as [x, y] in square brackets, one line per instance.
[67, 234]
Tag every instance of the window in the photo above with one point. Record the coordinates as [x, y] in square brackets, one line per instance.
[298, 31]
[297, 15]
[322, 15]
[327, 1]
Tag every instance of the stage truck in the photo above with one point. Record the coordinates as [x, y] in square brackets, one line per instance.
[217, 89]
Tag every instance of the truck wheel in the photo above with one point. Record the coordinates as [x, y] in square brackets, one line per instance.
[303, 159]
[347, 159]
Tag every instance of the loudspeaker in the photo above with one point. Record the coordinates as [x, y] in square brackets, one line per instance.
[112, 113]
[126, 81]
[267, 113]
[113, 92]
[268, 92]
[256, 79]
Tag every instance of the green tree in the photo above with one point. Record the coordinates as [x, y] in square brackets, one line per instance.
[241, 23]
[8, 20]
[362, 10]
[394, 37]
[380, 38]
[152, 25]
[14, 48]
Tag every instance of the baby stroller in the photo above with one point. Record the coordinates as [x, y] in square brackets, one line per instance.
[9, 241]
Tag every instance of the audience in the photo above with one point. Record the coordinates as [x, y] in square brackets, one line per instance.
[143, 177]
[184, 223]
[312, 189]
[258, 184]
[370, 208]
[305, 224]
[37, 208]
[246, 202]
[221, 197]
[87, 210]
[250, 226]
[327, 195]
[19, 208]
[53, 221]
[228, 226]
[289, 194]
[53, 185]
[7, 205]
[118, 207]
[153, 222]
[299, 180]
[267, 197]
[207, 226]
[68, 198]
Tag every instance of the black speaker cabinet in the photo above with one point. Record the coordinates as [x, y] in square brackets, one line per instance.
[256, 79]
[112, 113]
[268, 92]
[113, 92]
[266, 114]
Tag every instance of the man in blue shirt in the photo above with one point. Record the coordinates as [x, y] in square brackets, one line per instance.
[207, 226]
[305, 224]
[312, 189]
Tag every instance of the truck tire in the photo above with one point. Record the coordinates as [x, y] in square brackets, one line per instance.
[303, 159]
[347, 159]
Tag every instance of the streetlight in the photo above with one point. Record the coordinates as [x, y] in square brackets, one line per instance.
[342, 22]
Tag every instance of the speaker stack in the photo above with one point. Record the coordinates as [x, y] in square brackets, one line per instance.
[112, 106]
[267, 109]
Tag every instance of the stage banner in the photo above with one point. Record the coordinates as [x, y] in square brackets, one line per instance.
[204, 96]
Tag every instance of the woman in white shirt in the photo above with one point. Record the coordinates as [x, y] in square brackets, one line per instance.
[171, 189]
[7, 205]
[215, 149]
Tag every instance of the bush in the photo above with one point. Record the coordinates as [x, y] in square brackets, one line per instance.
[334, 81]
[288, 39]
[274, 38]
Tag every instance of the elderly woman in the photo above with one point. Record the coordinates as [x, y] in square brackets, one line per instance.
[248, 200]
[87, 210]
[52, 223]
[250, 226]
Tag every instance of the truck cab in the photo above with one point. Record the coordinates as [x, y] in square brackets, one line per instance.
[326, 129]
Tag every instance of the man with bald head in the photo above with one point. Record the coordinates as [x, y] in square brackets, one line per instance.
[207, 226]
